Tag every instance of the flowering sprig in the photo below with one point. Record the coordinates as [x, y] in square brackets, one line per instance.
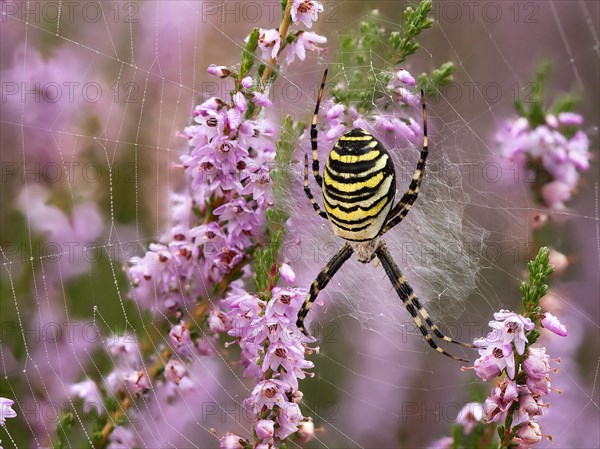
[272, 348]
[216, 225]
[548, 142]
[509, 354]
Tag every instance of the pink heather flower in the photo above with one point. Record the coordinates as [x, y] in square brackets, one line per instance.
[240, 101]
[530, 433]
[218, 321]
[123, 438]
[181, 340]
[537, 363]
[267, 393]
[469, 415]
[513, 328]
[239, 214]
[555, 194]
[551, 121]
[502, 356]
[289, 418]
[306, 11]
[175, 370]
[539, 386]
[231, 441]
[530, 405]
[5, 410]
[570, 119]
[443, 443]
[137, 382]
[221, 71]
[287, 273]
[124, 347]
[269, 42]
[486, 367]
[496, 406]
[552, 323]
[247, 82]
[306, 431]
[89, 392]
[405, 77]
[305, 40]
[265, 428]
[260, 99]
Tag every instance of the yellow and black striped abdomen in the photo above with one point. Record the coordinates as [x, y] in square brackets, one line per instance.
[358, 186]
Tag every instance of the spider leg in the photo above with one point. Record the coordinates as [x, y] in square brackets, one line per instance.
[314, 132]
[400, 210]
[308, 192]
[321, 282]
[410, 301]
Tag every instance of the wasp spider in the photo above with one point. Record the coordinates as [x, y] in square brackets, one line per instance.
[359, 186]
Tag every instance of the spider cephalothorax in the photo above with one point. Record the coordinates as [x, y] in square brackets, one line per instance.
[359, 186]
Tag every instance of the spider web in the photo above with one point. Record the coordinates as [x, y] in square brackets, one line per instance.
[462, 247]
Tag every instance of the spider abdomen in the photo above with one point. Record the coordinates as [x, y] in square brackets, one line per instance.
[358, 186]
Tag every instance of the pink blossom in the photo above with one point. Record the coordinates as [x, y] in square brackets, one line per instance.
[537, 363]
[405, 77]
[269, 41]
[265, 429]
[555, 194]
[306, 11]
[123, 438]
[181, 340]
[267, 393]
[486, 367]
[231, 441]
[306, 431]
[5, 410]
[287, 273]
[513, 328]
[530, 433]
[552, 323]
[137, 382]
[289, 418]
[247, 82]
[89, 392]
[240, 101]
[260, 99]
[562, 156]
[501, 356]
[469, 415]
[221, 71]
[175, 370]
[305, 40]
[570, 119]
[497, 405]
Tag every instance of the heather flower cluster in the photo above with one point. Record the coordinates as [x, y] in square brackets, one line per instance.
[549, 143]
[228, 175]
[273, 352]
[522, 369]
[558, 147]
[216, 224]
[519, 395]
[394, 127]
[271, 43]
